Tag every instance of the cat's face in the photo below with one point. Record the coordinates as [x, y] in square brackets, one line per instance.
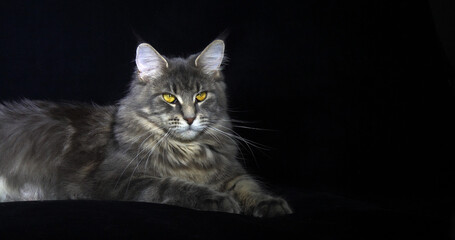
[180, 97]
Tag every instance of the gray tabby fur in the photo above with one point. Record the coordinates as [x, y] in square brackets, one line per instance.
[141, 149]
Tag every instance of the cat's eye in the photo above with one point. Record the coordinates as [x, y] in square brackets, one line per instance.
[169, 98]
[201, 96]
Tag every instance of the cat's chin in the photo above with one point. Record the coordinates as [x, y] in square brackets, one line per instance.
[187, 135]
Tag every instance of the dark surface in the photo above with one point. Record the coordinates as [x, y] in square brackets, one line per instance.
[317, 216]
[358, 95]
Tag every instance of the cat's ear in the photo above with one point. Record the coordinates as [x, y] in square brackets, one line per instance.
[150, 64]
[211, 58]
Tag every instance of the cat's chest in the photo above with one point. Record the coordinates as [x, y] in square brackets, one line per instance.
[191, 161]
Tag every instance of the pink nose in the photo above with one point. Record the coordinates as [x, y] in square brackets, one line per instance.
[189, 120]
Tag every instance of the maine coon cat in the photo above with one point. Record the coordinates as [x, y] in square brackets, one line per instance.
[168, 141]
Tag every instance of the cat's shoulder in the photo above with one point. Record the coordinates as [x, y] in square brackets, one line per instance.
[57, 109]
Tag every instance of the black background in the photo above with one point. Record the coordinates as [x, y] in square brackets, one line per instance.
[358, 96]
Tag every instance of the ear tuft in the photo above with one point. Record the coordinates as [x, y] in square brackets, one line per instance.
[211, 58]
[149, 62]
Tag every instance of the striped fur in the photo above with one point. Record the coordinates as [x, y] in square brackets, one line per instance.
[141, 149]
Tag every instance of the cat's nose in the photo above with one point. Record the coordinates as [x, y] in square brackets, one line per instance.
[189, 120]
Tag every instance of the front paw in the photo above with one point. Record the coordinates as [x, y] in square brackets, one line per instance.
[219, 202]
[271, 207]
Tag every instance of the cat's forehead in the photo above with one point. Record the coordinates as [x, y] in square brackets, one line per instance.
[182, 76]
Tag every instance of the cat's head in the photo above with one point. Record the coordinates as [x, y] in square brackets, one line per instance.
[179, 97]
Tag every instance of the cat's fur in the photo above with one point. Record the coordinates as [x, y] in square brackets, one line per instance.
[143, 149]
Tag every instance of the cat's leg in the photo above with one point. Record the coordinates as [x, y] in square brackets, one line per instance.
[254, 200]
[175, 191]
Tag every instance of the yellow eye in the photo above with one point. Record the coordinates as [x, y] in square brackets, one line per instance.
[169, 98]
[201, 96]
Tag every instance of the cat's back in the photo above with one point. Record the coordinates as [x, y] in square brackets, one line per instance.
[43, 118]
[37, 136]
[26, 121]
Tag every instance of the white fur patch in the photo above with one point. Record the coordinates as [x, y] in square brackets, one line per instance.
[28, 192]
[146, 110]
[4, 190]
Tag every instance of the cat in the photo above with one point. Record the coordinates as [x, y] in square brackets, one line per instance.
[167, 141]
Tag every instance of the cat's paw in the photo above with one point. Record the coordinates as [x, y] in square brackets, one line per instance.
[272, 207]
[219, 202]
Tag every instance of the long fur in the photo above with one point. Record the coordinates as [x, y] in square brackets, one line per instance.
[140, 149]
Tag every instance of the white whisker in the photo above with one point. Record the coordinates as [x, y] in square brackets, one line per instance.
[148, 156]
[254, 128]
[241, 141]
[140, 150]
[246, 141]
